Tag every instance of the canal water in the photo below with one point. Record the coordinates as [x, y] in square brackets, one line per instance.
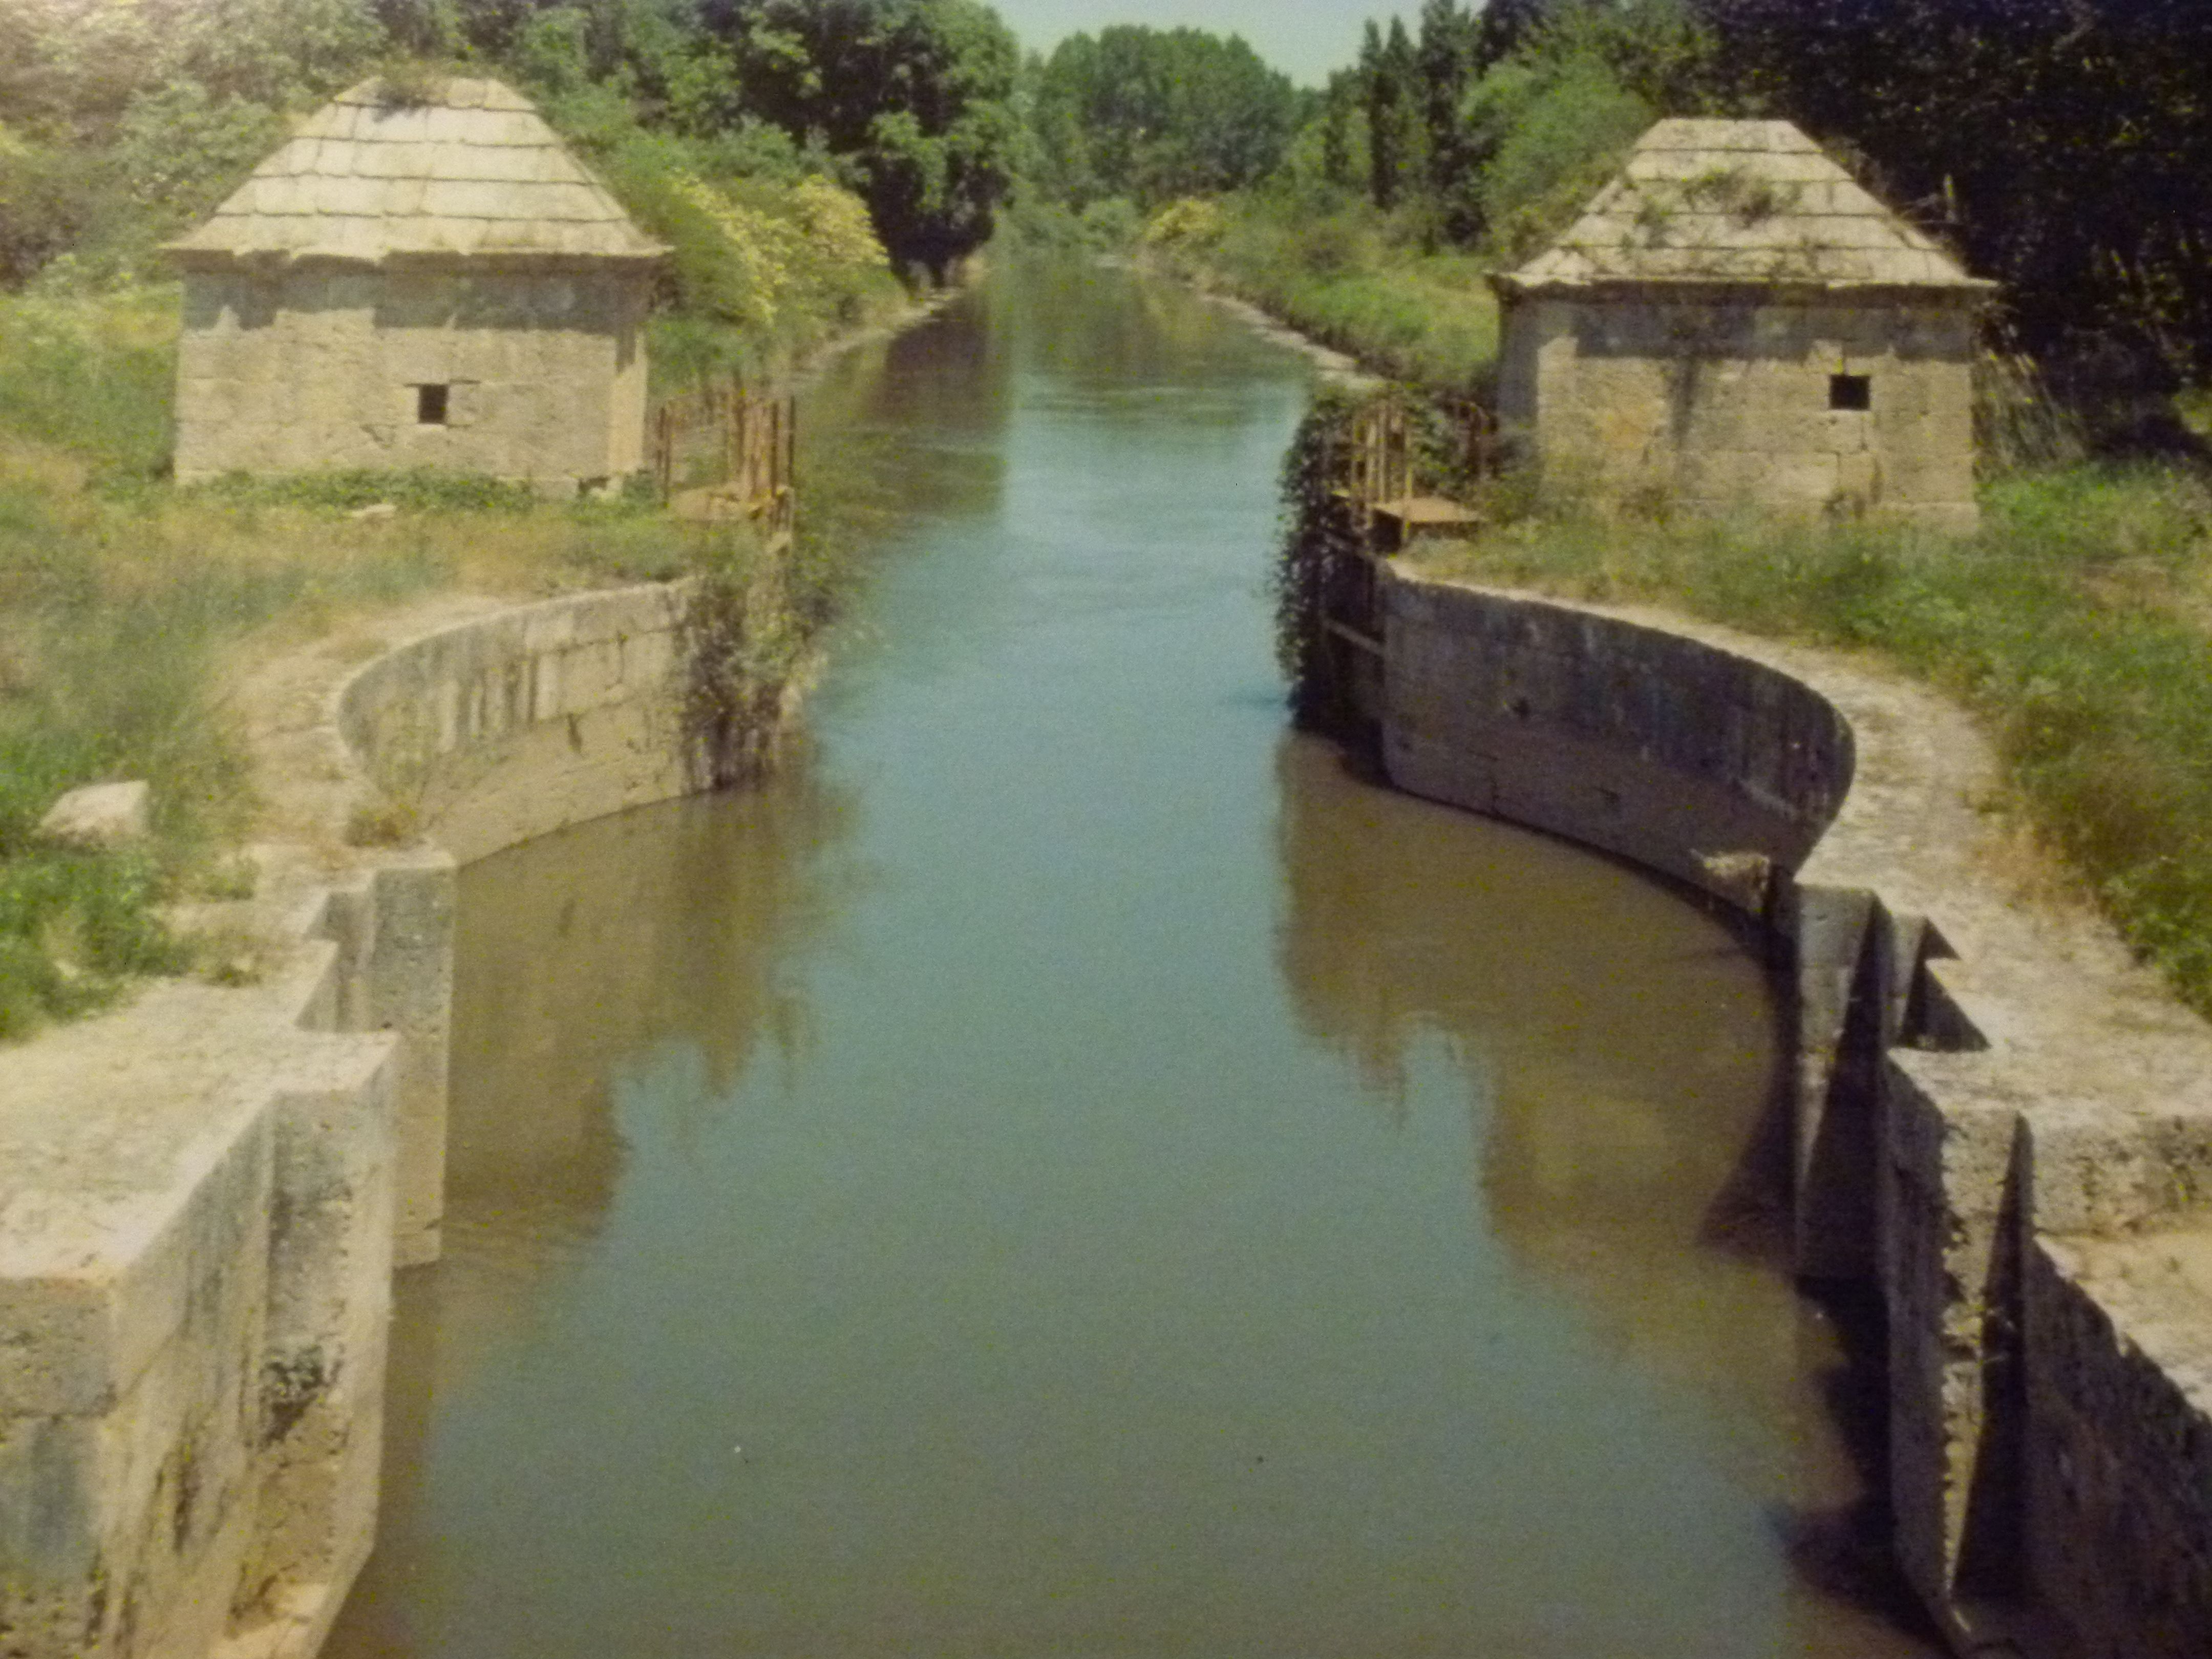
[1072, 1169]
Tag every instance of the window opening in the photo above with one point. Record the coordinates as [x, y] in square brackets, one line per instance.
[1850, 391]
[430, 405]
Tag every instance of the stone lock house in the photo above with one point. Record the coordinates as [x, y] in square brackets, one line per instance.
[1734, 320]
[434, 283]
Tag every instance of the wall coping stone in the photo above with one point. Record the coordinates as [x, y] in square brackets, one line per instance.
[2000, 1118]
[2074, 1025]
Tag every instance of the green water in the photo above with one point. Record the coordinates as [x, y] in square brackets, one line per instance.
[1073, 1169]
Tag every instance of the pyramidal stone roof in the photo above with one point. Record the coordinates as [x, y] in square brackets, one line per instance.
[1739, 202]
[474, 171]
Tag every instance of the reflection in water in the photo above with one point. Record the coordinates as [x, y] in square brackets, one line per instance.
[882, 445]
[1122, 1186]
[1629, 1046]
[598, 945]
[668, 926]
[1125, 345]
[1628, 1128]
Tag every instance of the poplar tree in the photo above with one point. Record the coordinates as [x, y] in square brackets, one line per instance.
[1394, 132]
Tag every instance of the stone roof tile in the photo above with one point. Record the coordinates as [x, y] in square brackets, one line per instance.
[361, 179]
[1739, 201]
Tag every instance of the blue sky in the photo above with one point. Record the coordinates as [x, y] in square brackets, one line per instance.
[1305, 39]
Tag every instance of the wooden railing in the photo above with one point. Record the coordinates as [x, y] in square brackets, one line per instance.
[720, 452]
[1375, 463]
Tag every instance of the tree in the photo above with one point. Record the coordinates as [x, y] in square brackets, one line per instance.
[1157, 113]
[2065, 146]
[1338, 142]
[1501, 27]
[1443, 64]
[913, 97]
[1394, 128]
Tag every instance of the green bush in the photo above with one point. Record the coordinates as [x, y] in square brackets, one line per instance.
[770, 258]
[1035, 226]
[1111, 221]
[1354, 279]
[52, 201]
[1560, 131]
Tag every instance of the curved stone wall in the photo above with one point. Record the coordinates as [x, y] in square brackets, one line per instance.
[2001, 1122]
[496, 730]
[487, 733]
[202, 1195]
[1694, 760]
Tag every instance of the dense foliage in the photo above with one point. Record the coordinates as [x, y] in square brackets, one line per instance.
[119, 124]
[2060, 146]
[1151, 114]
[915, 97]
[2063, 147]
[777, 146]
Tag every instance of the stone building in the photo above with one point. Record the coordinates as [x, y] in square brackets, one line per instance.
[408, 284]
[1734, 320]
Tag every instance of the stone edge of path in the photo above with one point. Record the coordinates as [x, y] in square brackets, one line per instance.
[2002, 1120]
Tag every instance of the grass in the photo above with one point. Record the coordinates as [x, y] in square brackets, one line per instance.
[1350, 277]
[2077, 623]
[92, 376]
[121, 599]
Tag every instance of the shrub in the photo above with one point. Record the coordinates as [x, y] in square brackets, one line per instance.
[1112, 221]
[1193, 222]
[95, 376]
[1561, 132]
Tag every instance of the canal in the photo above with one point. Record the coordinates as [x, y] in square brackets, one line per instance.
[1073, 1169]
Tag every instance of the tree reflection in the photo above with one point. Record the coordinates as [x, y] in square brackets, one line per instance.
[1625, 1060]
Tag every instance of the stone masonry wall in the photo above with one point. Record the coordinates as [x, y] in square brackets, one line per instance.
[497, 731]
[202, 1195]
[318, 366]
[1714, 402]
[2001, 1121]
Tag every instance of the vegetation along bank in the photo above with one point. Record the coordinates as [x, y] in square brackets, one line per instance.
[810, 167]
[749, 135]
[2056, 148]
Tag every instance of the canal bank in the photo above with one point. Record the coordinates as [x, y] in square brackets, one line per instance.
[209, 1191]
[203, 1193]
[2000, 1122]
[1074, 1171]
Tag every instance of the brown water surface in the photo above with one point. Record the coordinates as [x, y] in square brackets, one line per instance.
[1070, 1169]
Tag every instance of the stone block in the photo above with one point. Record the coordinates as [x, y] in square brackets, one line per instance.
[2119, 1465]
[100, 815]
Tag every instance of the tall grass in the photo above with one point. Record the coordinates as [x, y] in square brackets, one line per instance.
[2077, 623]
[1335, 269]
[121, 597]
[94, 376]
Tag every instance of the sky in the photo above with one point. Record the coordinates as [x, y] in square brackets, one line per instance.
[1304, 39]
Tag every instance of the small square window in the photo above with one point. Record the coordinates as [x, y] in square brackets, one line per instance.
[430, 405]
[1850, 391]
